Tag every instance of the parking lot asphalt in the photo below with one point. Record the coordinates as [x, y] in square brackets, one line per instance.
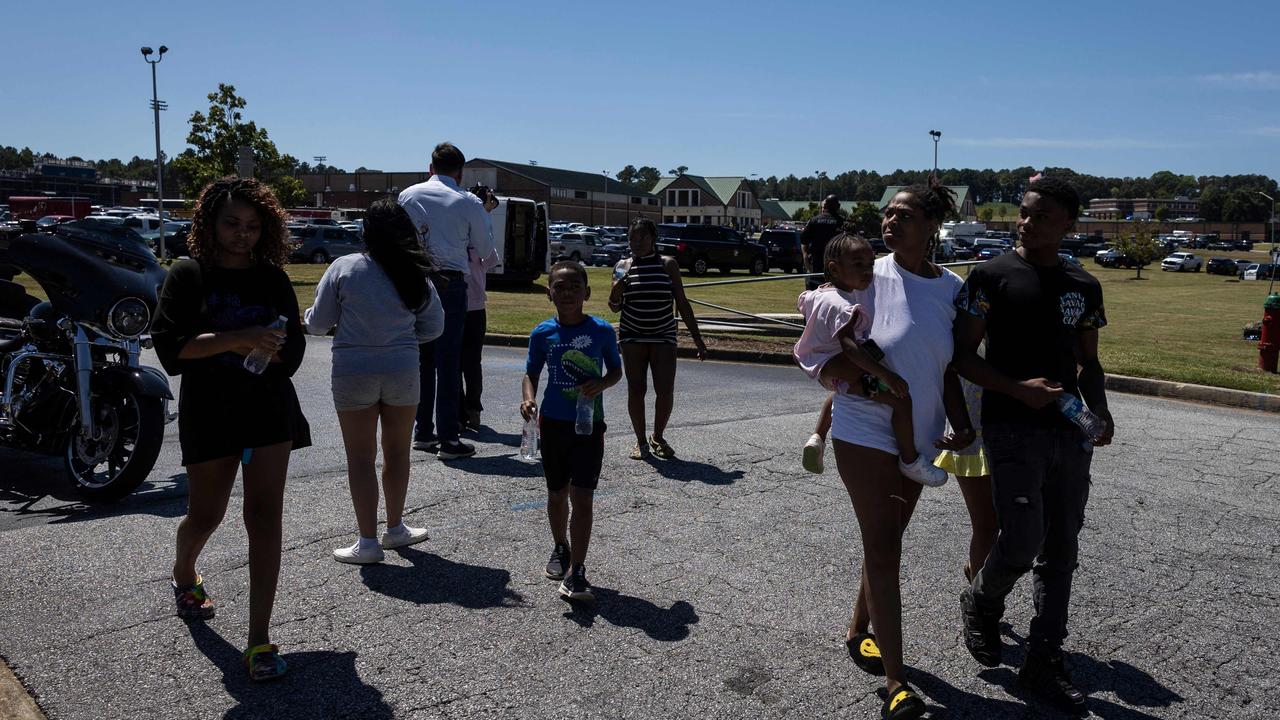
[723, 578]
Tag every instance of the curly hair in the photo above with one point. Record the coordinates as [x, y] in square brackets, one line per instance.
[271, 248]
[936, 200]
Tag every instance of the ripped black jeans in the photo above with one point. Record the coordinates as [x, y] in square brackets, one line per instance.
[1040, 483]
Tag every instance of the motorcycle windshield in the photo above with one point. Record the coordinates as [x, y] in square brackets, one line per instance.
[86, 266]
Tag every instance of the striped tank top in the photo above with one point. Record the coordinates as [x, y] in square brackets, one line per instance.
[647, 303]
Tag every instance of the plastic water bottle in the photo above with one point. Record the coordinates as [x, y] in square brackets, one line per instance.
[529, 440]
[584, 422]
[257, 361]
[619, 272]
[1076, 412]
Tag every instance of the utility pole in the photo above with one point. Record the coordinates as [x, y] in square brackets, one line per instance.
[605, 199]
[156, 107]
[937, 135]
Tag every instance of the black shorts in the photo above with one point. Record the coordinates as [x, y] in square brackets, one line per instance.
[569, 458]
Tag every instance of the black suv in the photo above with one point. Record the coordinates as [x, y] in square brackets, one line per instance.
[698, 248]
[784, 249]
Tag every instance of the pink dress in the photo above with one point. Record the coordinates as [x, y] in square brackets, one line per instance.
[827, 311]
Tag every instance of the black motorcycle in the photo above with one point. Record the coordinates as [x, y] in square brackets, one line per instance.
[73, 383]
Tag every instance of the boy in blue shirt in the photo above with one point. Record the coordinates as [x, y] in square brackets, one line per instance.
[570, 462]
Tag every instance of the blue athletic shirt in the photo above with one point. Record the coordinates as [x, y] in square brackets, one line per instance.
[550, 342]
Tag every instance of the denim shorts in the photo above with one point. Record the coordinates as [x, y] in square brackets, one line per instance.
[357, 392]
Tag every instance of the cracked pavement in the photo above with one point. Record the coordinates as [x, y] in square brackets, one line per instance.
[723, 579]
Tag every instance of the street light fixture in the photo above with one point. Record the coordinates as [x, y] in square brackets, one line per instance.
[604, 199]
[156, 107]
[937, 135]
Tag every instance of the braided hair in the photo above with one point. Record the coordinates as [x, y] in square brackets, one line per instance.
[270, 249]
[392, 241]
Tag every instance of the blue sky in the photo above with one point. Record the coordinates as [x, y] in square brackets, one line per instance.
[726, 88]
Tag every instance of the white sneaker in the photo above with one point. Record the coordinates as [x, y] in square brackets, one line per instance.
[814, 449]
[406, 537]
[924, 472]
[356, 555]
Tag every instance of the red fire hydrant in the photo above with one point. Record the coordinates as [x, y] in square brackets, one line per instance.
[1269, 344]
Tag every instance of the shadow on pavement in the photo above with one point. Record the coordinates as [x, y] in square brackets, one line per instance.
[692, 470]
[665, 624]
[945, 700]
[1128, 683]
[32, 480]
[432, 580]
[318, 684]
[488, 435]
[498, 465]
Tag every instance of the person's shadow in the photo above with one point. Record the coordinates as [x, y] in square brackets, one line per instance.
[1131, 685]
[664, 624]
[318, 684]
[692, 470]
[432, 580]
[488, 435]
[502, 466]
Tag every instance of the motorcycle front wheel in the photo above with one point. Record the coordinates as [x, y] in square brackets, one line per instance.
[130, 432]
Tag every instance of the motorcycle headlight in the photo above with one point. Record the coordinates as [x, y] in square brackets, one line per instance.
[129, 318]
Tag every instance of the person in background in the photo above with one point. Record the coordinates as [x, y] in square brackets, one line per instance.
[646, 287]
[813, 239]
[476, 323]
[384, 307]
[449, 221]
[215, 309]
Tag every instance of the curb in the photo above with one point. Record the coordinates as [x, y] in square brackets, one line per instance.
[15, 702]
[1187, 392]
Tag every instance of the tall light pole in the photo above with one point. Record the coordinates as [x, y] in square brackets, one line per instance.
[819, 173]
[937, 135]
[605, 198]
[1273, 239]
[156, 108]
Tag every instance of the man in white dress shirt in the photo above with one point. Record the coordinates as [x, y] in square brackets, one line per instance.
[449, 220]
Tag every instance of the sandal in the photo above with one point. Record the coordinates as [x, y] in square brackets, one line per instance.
[639, 452]
[193, 602]
[660, 448]
[264, 662]
[865, 653]
[902, 704]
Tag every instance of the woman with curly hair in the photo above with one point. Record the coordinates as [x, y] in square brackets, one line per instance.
[215, 309]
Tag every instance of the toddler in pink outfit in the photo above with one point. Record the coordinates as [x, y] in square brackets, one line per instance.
[834, 350]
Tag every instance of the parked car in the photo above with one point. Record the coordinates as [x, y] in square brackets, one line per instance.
[1100, 256]
[321, 244]
[608, 254]
[698, 248]
[784, 249]
[575, 246]
[142, 223]
[964, 253]
[1221, 245]
[1068, 257]
[877, 244]
[1115, 259]
[1261, 271]
[49, 222]
[1241, 266]
[1221, 266]
[1182, 262]
[988, 252]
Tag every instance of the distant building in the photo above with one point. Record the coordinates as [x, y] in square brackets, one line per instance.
[1141, 208]
[964, 199]
[571, 195]
[791, 207]
[727, 201]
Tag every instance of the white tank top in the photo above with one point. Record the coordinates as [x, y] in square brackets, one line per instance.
[913, 318]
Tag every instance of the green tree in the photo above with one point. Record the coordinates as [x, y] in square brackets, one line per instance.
[647, 176]
[986, 213]
[627, 175]
[865, 219]
[1140, 246]
[1162, 213]
[680, 170]
[215, 140]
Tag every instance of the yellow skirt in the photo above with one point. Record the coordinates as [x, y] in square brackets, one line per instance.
[964, 465]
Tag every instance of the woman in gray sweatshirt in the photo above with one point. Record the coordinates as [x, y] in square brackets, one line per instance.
[384, 308]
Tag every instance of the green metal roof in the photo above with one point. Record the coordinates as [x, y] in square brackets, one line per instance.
[961, 191]
[791, 206]
[721, 188]
[570, 179]
[772, 210]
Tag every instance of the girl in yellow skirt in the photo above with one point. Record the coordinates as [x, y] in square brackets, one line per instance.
[974, 477]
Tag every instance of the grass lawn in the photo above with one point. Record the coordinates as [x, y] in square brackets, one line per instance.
[1183, 327]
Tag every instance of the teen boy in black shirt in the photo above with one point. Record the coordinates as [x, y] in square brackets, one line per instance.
[1040, 317]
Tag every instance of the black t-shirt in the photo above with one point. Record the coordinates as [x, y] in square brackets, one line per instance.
[223, 408]
[816, 233]
[1034, 315]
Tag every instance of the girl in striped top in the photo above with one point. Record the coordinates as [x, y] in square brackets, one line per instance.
[645, 288]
